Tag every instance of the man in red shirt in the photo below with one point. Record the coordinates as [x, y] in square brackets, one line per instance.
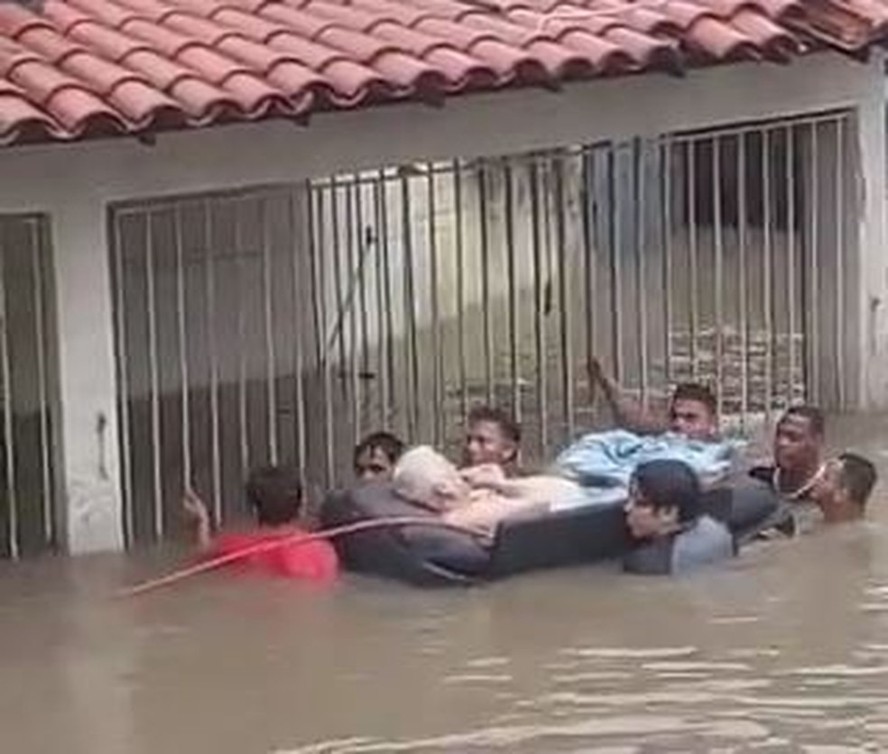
[275, 496]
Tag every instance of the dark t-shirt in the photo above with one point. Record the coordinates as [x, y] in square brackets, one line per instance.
[705, 542]
[793, 517]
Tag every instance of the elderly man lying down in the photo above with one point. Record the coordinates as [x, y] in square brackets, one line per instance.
[477, 498]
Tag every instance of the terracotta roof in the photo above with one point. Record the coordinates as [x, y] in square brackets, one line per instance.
[79, 68]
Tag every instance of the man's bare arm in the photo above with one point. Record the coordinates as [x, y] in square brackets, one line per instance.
[628, 412]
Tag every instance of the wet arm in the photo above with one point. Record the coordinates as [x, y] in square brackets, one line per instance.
[628, 412]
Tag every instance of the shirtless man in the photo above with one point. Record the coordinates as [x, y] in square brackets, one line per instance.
[492, 437]
[843, 489]
[477, 498]
[692, 409]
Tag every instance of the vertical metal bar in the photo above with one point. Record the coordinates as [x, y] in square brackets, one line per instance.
[185, 426]
[485, 282]
[298, 325]
[766, 278]
[666, 193]
[38, 256]
[215, 424]
[122, 378]
[692, 254]
[243, 417]
[356, 278]
[812, 337]
[361, 334]
[154, 377]
[539, 305]
[511, 272]
[337, 332]
[383, 296]
[839, 319]
[412, 362]
[719, 273]
[790, 259]
[460, 290]
[615, 242]
[564, 296]
[317, 255]
[590, 259]
[8, 430]
[437, 368]
[742, 242]
[640, 244]
[270, 351]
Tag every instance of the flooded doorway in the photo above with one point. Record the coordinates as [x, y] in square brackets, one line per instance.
[28, 387]
[279, 324]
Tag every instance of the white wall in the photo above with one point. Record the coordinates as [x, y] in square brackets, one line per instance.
[75, 183]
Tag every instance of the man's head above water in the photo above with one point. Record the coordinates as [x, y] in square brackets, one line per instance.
[425, 477]
[664, 496]
[492, 436]
[798, 441]
[844, 487]
[693, 412]
[376, 455]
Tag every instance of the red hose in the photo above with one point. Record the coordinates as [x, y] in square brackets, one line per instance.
[294, 539]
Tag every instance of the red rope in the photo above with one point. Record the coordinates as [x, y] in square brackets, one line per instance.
[300, 538]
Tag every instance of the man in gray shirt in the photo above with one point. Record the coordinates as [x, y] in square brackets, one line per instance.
[664, 519]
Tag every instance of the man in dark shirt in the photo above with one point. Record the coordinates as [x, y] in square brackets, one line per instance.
[798, 465]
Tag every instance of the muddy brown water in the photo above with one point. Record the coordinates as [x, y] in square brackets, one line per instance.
[784, 650]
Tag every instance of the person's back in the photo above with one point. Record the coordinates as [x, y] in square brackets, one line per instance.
[275, 546]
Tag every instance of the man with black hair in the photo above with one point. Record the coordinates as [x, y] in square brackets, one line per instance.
[692, 410]
[493, 437]
[798, 449]
[275, 497]
[844, 488]
[665, 521]
[376, 455]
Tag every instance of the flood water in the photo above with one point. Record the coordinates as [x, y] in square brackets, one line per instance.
[784, 650]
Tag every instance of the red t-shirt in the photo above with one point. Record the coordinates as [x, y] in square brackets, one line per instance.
[315, 560]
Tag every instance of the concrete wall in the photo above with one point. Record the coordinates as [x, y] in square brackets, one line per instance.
[75, 184]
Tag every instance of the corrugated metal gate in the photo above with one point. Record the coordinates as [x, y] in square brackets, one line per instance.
[28, 387]
[298, 318]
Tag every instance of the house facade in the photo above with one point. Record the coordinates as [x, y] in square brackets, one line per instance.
[207, 290]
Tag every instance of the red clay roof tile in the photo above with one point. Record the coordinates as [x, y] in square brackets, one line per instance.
[76, 68]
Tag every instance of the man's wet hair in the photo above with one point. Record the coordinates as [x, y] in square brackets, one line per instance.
[814, 416]
[275, 493]
[857, 477]
[694, 391]
[507, 425]
[666, 484]
[390, 445]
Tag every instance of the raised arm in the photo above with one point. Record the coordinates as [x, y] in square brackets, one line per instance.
[628, 412]
[199, 517]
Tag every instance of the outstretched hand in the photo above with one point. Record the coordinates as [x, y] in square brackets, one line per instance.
[194, 508]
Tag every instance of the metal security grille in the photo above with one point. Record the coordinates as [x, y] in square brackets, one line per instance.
[281, 324]
[28, 387]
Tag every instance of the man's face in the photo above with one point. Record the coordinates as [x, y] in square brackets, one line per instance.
[486, 443]
[827, 487]
[692, 419]
[373, 465]
[796, 444]
[646, 522]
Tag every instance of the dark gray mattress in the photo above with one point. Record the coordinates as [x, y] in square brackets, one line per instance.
[439, 557]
